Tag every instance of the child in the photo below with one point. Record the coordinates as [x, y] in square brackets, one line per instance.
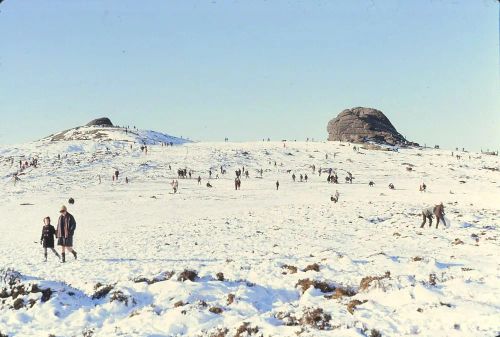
[47, 238]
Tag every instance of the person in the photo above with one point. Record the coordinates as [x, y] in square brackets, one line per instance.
[371, 183]
[47, 238]
[175, 185]
[209, 185]
[349, 177]
[116, 174]
[66, 226]
[293, 177]
[199, 180]
[391, 186]
[423, 187]
[126, 180]
[335, 178]
[437, 210]
[277, 185]
[335, 198]
[305, 177]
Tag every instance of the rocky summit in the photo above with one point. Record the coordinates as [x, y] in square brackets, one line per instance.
[104, 121]
[362, 125]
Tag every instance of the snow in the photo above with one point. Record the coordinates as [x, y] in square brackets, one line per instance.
[443, 281]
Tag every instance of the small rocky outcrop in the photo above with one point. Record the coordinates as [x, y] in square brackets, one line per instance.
[360, 124]
[104, 121]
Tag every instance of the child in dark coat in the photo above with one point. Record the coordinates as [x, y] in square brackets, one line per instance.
[47, 238]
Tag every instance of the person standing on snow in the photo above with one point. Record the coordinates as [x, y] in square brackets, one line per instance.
[66, 226]
[47, 238]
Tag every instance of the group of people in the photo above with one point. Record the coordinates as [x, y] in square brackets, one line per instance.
[302, 177]
[23, 165]
[114, 177]
[64, 232]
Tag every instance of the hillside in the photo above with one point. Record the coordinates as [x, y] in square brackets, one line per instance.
[221, 262]
[108, 132]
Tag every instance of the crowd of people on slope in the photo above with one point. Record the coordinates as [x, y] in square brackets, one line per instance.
[66, 224]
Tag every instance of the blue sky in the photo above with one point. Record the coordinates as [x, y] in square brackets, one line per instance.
[251, 69]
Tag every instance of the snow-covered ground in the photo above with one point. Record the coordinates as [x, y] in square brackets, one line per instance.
[265, 262]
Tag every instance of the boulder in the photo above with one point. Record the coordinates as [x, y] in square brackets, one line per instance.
[104, 121]
[360, 125]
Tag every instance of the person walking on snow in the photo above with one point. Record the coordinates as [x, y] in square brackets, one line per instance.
[277, 185]
[335, 198]
[66, 226]
[47, 238]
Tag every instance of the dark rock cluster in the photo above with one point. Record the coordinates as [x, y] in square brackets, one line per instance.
[104, 121]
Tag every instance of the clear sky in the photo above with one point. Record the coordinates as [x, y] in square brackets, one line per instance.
[251, 69]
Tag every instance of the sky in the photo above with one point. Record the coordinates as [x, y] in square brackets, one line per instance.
[249, 70]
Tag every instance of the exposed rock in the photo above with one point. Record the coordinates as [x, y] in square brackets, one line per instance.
[104, 121]
[364, 124]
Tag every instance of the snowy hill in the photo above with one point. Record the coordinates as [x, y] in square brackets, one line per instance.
[250, 262]
[103, 133]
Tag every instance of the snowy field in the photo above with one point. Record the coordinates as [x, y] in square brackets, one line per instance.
[254, 262]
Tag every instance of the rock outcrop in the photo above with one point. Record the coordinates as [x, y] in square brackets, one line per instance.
[360, 124]
[104, 121]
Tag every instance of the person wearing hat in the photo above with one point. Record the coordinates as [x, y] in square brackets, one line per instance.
[66, 226]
